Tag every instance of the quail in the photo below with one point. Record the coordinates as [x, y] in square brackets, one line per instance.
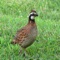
[26, 36]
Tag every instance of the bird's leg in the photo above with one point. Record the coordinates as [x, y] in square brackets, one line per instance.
[25, 52]
[21, 51]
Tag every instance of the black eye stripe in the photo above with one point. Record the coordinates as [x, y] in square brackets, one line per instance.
[32, 14]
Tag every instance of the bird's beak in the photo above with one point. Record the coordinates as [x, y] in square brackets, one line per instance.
[36, 15]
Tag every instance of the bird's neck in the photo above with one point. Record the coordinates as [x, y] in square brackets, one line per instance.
[31, 19]
[31, 22]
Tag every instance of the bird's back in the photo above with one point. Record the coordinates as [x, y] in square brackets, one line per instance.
[26, 36]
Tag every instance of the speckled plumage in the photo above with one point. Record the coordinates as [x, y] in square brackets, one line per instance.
[26, 36]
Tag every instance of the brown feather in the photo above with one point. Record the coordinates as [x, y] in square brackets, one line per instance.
[26, 36]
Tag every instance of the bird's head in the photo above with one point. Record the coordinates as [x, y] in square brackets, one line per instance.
[32, 15]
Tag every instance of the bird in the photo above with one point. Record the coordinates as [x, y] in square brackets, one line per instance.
[27, 34]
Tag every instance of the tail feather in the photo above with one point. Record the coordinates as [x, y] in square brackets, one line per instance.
[13, 42]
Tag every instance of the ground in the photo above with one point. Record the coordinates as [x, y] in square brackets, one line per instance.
[14, 15]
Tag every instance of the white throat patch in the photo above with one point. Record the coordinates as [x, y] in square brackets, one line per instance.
[32, 17]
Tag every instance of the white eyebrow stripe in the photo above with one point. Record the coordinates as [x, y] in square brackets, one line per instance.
[32, 13]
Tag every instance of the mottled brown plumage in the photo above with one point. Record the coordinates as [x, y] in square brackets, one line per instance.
[26, 36]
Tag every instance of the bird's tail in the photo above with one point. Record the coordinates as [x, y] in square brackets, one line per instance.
[13, 42]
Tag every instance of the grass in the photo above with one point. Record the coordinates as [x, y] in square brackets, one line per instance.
[13, 16]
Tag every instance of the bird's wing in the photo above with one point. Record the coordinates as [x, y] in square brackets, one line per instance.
[21, 35]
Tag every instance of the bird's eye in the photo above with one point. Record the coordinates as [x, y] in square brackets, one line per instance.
[34, 13]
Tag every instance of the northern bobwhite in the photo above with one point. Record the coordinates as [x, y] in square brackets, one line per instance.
[26, 36]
